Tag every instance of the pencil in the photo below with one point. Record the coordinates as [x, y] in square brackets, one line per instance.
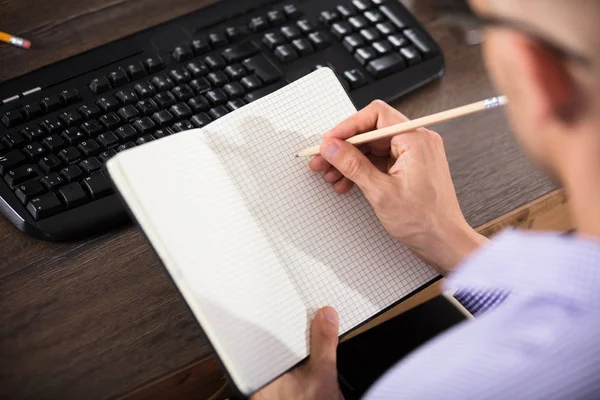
[407, 126]
[14, 40]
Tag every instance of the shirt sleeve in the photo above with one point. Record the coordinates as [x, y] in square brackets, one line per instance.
[479, 301]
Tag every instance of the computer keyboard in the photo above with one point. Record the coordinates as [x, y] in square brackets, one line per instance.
[61, 123]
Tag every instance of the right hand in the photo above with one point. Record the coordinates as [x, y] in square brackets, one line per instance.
[407, 181]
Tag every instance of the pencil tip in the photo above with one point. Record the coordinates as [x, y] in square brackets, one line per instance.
[297, 156]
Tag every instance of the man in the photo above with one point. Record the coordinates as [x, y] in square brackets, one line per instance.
[543, 341]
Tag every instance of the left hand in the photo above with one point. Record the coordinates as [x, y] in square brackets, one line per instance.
[317, 378]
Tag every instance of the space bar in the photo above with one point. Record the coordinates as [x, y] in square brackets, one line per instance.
[264, 91]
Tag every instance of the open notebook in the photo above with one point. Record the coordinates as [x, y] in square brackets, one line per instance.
[256, 242]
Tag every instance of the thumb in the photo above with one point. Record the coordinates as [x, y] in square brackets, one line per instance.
[324, 339]
[351, 162]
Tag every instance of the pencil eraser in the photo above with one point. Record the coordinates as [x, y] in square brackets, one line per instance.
[26, 44]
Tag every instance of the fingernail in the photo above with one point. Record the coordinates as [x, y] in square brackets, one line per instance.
[330, 315]
[330, 151]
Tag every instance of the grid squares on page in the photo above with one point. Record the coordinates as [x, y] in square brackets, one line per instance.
[333, 247]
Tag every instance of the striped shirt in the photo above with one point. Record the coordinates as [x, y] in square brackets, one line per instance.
[541, 342]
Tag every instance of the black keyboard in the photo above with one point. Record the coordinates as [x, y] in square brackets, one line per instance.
[61, 123]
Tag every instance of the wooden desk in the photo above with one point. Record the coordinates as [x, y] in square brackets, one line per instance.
[98, 318]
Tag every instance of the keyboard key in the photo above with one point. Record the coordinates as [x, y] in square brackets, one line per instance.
[411, 55]
[72, 195]
[197, 69]
[305, 26]
[251, 83]
[361, 5]
[341, 29]
[365, 54]
[71, 118]
[291, 11]
[218, 112]
[52, 181]
[198, 103]
[28, 190]
[182, 92]
[21, 174]
[97, 186]
[395, 17]
[69, 96]
[53, 143]
[71, 173]
[32, 133]
[320, 40]
[99, 85]
[142, 140]
[353, 42]
[180, 111]
[180, 75]
[32, 110]
[162, 83]
[153, 64]
[217, 78]
[258, 24]
[107, 140]
[200, 46]
[44, 206]
[128, 113]
[374, 16]
[370, 34]
[126, 132]
[386, 28]
[164, 100]
[13, 140]
[217, 39]
[144, 89]
[235, 72]
[12, 118]
[285, 53]
[236, 32]
[130, 145]
[162, 118]
[110, 121]
[200, 85]
[397, 40]
[182, 53]
[89, 147]
[358, 22]
[108, 103]
[216, 97]
[250, 97]
[92, 128]
[72, 136]
[106, 155]
[144, 125]
[136, 71]
[328, 17]
[355, 78]
[386, 65]
[181, 126]
[126, 97]
[346, 11]
[52, 125]
[382, 47]
[90, 165]
[234, 90]
[239, 51]
[303, 46]
[290, 32]
[49, 163]
[69, 155]
[235, 104]
[146, 107]
[50, 103]
[263, 68]
[418, 41]
[214, 62]
[276, 17]
[89, 111]
[118, 78]
[34, 151]
[161, 133]
[201, 120]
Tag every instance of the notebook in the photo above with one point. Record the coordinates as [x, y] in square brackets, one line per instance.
[255, 242]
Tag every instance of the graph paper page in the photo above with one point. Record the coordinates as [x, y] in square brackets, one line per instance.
[259, 241]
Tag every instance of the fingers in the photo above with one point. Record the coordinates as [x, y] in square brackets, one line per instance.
[332, 175]
[352, 163]
[324, 339]
[318, 164]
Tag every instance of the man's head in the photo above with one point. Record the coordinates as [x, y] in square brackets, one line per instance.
[554, 100]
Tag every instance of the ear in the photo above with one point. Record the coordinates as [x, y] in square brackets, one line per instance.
[547, 80]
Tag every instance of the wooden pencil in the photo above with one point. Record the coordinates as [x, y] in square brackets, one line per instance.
[408, 126]
[14, 40]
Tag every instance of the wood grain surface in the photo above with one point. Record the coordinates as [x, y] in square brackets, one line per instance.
[99, 318]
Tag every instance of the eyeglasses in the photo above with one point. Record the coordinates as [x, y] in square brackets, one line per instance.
[459, 10]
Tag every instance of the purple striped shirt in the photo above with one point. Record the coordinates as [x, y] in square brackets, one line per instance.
[541, 342]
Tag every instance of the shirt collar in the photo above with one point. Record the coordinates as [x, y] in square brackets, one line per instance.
[534, 263]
